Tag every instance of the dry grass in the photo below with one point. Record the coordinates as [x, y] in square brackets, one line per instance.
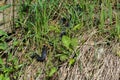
[96, 61]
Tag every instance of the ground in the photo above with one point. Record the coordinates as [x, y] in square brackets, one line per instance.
[82, 39]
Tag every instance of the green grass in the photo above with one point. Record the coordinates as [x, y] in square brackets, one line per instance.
[35, 20]
[11, 64]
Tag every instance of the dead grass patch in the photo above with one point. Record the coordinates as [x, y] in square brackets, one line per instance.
[97, 60]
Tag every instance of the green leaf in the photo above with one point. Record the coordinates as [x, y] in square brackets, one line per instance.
[1, 76]
[3, 46]
[63, 57]
[3, 33]
[15, 43]
[71, 62]
[6, 77]
[52, 71]
[74, 42]
[66, 41]
[19, 66]
[54, 28]
[10, 57]
[8, 70]
[77, 27]
[4, 7]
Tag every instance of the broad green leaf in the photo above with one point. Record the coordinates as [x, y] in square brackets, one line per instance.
[4, 7]
[71, 62]
[66, 41]
[3, 46]
[52, 71]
